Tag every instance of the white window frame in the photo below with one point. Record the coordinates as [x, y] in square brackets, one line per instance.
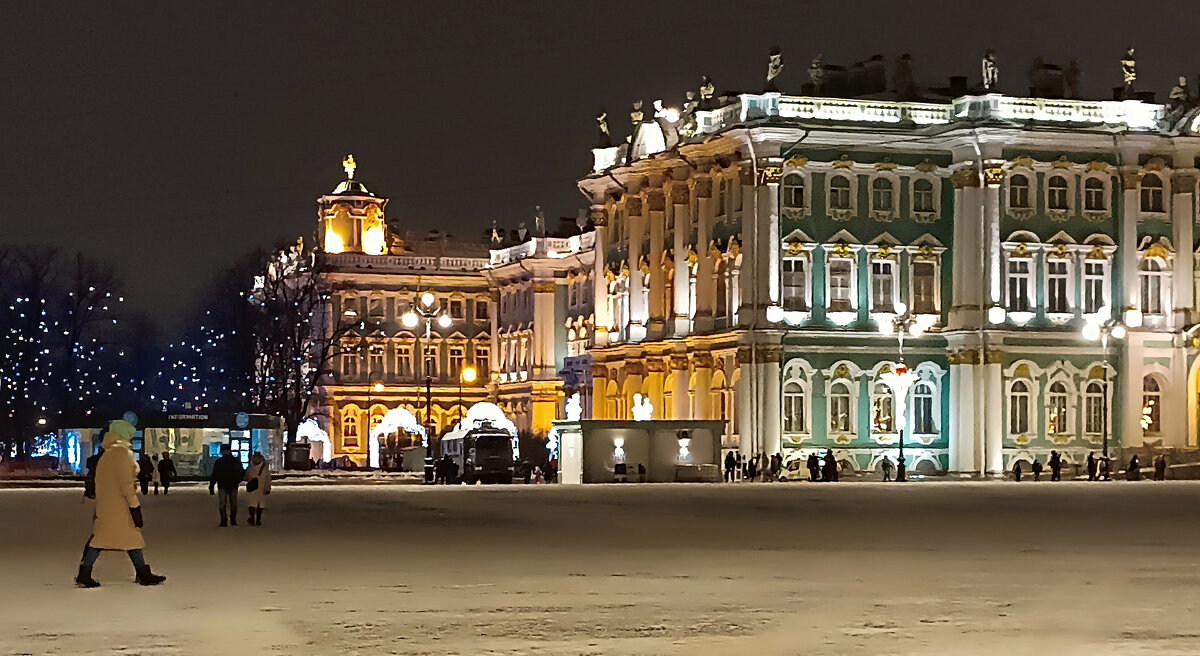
[894, 274]
[1098, 398]
[804, 258]
[1027, 276]
[841, 213]
[1154, 429]
[404, 361]
[351, 418]
[1146, 194]
[936, 263]
[1068, 414]
[852, 260]
[924, 215]
[851, 411]
[891, 192]
[785, 200]
[1162, 279]
[797, 372]
[1014, 409]
[1068, 191]
[1030, 192]
[1068, 278]
[1089, 278]
[1105, 192]
[789, 403]
[934, 407]
[881, 393]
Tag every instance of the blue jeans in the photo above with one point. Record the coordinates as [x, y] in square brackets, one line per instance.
[90, 554]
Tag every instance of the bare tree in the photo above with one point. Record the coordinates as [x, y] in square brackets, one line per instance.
[297, 335]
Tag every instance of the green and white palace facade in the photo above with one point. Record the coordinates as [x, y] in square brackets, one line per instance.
[749, 267]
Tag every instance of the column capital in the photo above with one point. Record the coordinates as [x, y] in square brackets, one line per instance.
[599, 217]
[542, 286]
[656, 365]
[1183, 182]
[679, 362]
[635, 368]
[965, 177]
[770, 175]
[1131, 179]
[702, 359]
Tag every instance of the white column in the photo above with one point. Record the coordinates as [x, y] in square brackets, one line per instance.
[770, 414]
[658, 281]
[1183, 214]
[683, 222]
[680, 387]
[705, 291]
[747, 409]
[967, 268]
[637, 303]
[603, 319]
[1127, 242]
[544, 364]
[993, 425]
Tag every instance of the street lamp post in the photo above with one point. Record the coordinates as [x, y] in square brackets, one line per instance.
[901, 380]
[426, 307]
[1094, 330]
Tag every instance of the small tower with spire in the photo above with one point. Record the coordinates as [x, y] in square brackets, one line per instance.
[351, 218]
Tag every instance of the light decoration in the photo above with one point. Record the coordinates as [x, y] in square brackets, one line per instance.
[642, 409]
[574, 408]
[619, 449]
[333, 241]
[396, 420]
[374, 241]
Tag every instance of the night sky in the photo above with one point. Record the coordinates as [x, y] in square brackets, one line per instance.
[173, 137]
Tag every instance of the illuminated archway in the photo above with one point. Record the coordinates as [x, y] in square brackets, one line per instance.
[396, 419]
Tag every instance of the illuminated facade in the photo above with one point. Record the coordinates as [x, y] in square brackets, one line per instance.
[501, 310]
[753, 257]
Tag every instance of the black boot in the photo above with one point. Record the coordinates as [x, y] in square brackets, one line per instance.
[250, 519]
[224, 520]
[84, 578]
[258, 517]
[233, 518]
[146, 577]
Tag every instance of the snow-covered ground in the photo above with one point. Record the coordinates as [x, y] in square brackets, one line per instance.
[786, 569]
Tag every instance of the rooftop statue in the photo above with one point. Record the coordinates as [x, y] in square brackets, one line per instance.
[1072, 79]
[1129, 71]
[774, 68]
[687, 126]
[991, 72]
[816, 72]
[707, 91]
[603, 138]
[1179, 93]
[349, 165]
[635, 114]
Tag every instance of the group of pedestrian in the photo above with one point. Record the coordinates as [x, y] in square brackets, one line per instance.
[769, 467]
[823, 469]
[152, 470]
[227, 476]
[1098, 469]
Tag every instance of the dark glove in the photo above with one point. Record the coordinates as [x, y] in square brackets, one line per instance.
[136, 513]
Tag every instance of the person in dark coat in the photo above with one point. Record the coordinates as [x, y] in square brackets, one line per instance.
[1134, 471]
[1037, 469]
[1160, 467]
[1016, 470]
[888, 467]
[730, 466]
[1106, 468]
[753, 468]
[145, 472]
[166, 471]
[1092, 465]
[1055, 466]
[814, 467]
[227, 474]
[829, 470]
[89, 477]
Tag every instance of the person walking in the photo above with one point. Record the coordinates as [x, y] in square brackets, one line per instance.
[1092, 465]
[1037, 469]
[89, 477]
[166, 471]
[776, 467]
[156, 477]
[814, 467]
[829, 472]
[888, 467]
[117, 523]
[1016, 471]
[1055, 466]
[227, 474]
[1160, 467]
[753, 469]
[730, 466]
[145, 472]
[1134, 471]
[258, 486]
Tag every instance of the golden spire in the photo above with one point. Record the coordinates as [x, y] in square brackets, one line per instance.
[349, 165]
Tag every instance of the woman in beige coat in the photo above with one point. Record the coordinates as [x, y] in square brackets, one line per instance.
[258, 486]
[118, 521]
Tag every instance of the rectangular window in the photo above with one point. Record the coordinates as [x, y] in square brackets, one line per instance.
[793, 411]
[1094, 411]
[404, 361]
[883, 286]
[1152, 275]
[375, 361]
[458, 356]
[1056, 287]
[481, 310]
[482, 361]
[457, 310]
[924, 283]
[841, 288]
[1093, 286]
[375, 308]
[1019, 277]
[350, 362]
[795, 284]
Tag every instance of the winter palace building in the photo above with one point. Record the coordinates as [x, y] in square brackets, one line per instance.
[752, 258]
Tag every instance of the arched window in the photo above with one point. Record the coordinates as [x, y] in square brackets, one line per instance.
[1018, 408]
[1056, 193]
[923, 422]
[1018, 192]
[839, 193]
[1152, 274]
[794, 415]
[793, 190]
[882, 410]
[840, 410]
[350, 427]
[1152, 193]
[881, 195]
[1151, 406]
[922, 196]
[1093, 404]
[1093, 195]
[1056, 418]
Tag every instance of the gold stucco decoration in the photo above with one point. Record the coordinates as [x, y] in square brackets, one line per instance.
[1062, 163]
[1024, 161]
[926, 166]
[844, 163]
[797, 161]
